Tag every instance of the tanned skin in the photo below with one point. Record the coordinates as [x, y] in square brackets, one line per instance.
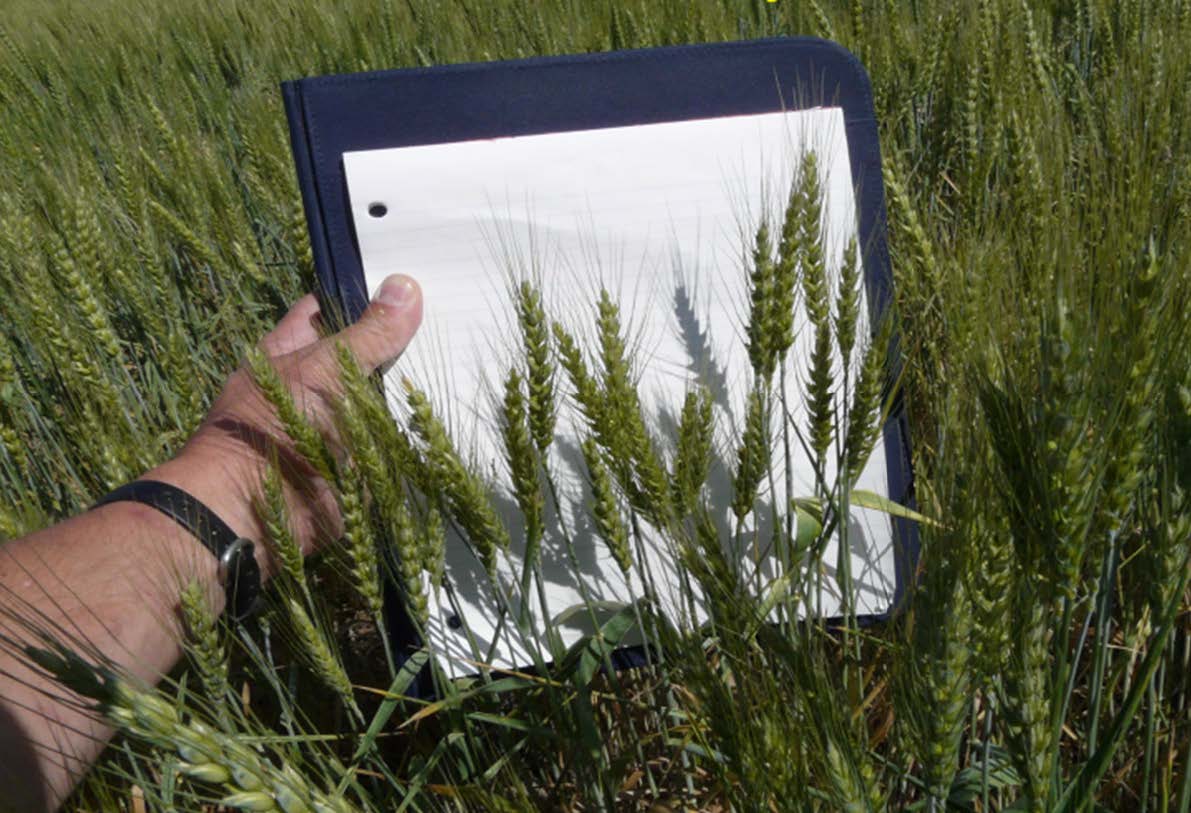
[109, 579]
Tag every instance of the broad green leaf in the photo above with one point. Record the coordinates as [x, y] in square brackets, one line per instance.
[807, 525]
[507, 684]
[405, 676]
[776, 593]
[512, 724]
[584, 608]
[587, 654]
[875, 502]
[968, 783]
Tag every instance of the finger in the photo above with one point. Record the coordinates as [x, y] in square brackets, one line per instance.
[295, 330]
[387, 325]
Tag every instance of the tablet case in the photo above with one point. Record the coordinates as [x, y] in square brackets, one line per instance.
[331, 115]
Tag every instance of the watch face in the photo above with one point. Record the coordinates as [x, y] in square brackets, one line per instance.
[242, 584]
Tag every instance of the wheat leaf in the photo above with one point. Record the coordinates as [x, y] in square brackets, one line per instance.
[875, 502]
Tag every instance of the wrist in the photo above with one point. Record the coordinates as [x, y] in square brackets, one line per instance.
[225, 482]
[164, 546]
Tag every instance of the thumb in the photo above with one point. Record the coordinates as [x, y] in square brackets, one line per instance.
[387, 325]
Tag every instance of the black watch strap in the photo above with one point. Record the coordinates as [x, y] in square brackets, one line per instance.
[238, 569]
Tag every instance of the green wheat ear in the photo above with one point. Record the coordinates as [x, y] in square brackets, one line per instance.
[366, 424]
[535, 335]
[322, 657]
[752, 456]
[1026, 689]
[762, 293]
[434, 547]
[248, 780]
[381, 455]
[463, 493]
[816, 295]
[88, 246]
[631, 450]
[692, 462]
[605, 508]
[206, 647]
[273, 512]
[415, 554]
[586, 390]
[306, 438]
[864, 413]
[847, 786]
[522, 457]
[359, 541]
[780, 318]
[8, 369]
[934, 680]
[847, 304]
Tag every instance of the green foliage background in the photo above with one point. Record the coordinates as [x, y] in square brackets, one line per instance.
[1039, 187]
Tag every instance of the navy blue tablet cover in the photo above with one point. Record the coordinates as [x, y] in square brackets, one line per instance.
[331, 115]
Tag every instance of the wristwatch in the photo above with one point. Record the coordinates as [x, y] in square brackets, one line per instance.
[238, 569]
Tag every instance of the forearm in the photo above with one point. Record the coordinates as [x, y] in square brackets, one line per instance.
[108, 580]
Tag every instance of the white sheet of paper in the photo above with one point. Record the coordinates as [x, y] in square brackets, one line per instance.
[663, 216]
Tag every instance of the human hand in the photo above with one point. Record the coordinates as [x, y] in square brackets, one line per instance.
[225, 460]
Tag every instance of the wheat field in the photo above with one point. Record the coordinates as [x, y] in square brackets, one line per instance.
[1038, 180]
